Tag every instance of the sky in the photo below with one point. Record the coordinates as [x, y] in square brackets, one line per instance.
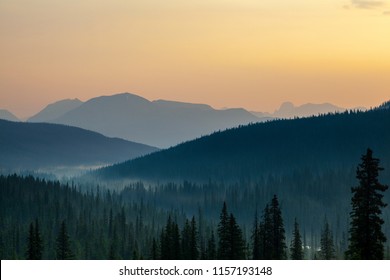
[253, 54]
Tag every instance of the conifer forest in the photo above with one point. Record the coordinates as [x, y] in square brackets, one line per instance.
[311, 188]
[43, 219]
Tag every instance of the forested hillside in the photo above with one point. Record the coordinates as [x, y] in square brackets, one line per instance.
[169, 221]
[33, 146]
[314, 145]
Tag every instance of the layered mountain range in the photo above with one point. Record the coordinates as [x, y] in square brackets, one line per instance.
[160, 123]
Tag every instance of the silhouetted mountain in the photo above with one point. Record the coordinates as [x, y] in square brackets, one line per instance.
[333, 142]
[288, 110]
[38, 145]
[55, 110]
[7, 115]
[158, 123]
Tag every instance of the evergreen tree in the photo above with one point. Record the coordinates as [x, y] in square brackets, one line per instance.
[237, 243]
[231, 244]
[194, 249]
[223, 234]
[34, 242]
[185, 241]
[296, 243]
[271, 233]
[327, 246]
[256, 239]
[154, 251]
[211, 248]
[170, 241]
[64, 251]
[31, 255]
[279, 239]
[366, 240]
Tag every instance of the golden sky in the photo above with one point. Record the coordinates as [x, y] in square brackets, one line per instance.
[227, 53]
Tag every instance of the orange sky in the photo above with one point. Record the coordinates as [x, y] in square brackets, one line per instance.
[226, 53]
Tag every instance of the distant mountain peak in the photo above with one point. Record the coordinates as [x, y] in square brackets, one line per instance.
[119, 98]
[7, 115]
[289, 110]
[178, 104]
[159, 123]
[55, 110]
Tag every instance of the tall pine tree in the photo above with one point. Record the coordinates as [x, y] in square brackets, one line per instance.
[64, 251]
[296, 247]
[271, 233]
[327, 246]
[231, 245]
[223, 234]
[279, 239]
[366, 240]
[34, 242]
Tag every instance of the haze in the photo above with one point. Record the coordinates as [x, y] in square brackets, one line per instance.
[226, 53]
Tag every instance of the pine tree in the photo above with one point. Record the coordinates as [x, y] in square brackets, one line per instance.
[327, 246]
[211, 248]
[265, 235]
[154, 250]
[279, 239]
[271, 233]
[63, 244]
[366, 240]
[231, 243]
[31, 255]
[237, 244]
[296, 243]
[223, 234]
[194, 249]
[170, 241]
[185, 241]
[256, 239]
[34, 242]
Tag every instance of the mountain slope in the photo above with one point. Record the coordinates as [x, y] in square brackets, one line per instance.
[158, 123]
[55, 110]
[8, 116]
[37, 145]
[319, 143]
[288, 110]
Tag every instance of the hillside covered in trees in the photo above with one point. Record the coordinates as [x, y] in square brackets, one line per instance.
[47, 220]
[289, 189]
[31, 146]
[316, 144]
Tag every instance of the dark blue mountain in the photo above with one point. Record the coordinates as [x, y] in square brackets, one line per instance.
[38, 145]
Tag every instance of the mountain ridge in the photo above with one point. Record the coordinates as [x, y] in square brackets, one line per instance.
[158, 123]
[40, 145]
[55, 110]
[8, 116]
[327, 141]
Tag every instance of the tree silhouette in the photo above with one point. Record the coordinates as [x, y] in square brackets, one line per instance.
[64, 251]
[366, 239]
[327, 245]
[296, 243]
[231, 243]
[279, 238]
[256, 254]
[223, 234]
[211, 253]
[170, 241]
[34, 242]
